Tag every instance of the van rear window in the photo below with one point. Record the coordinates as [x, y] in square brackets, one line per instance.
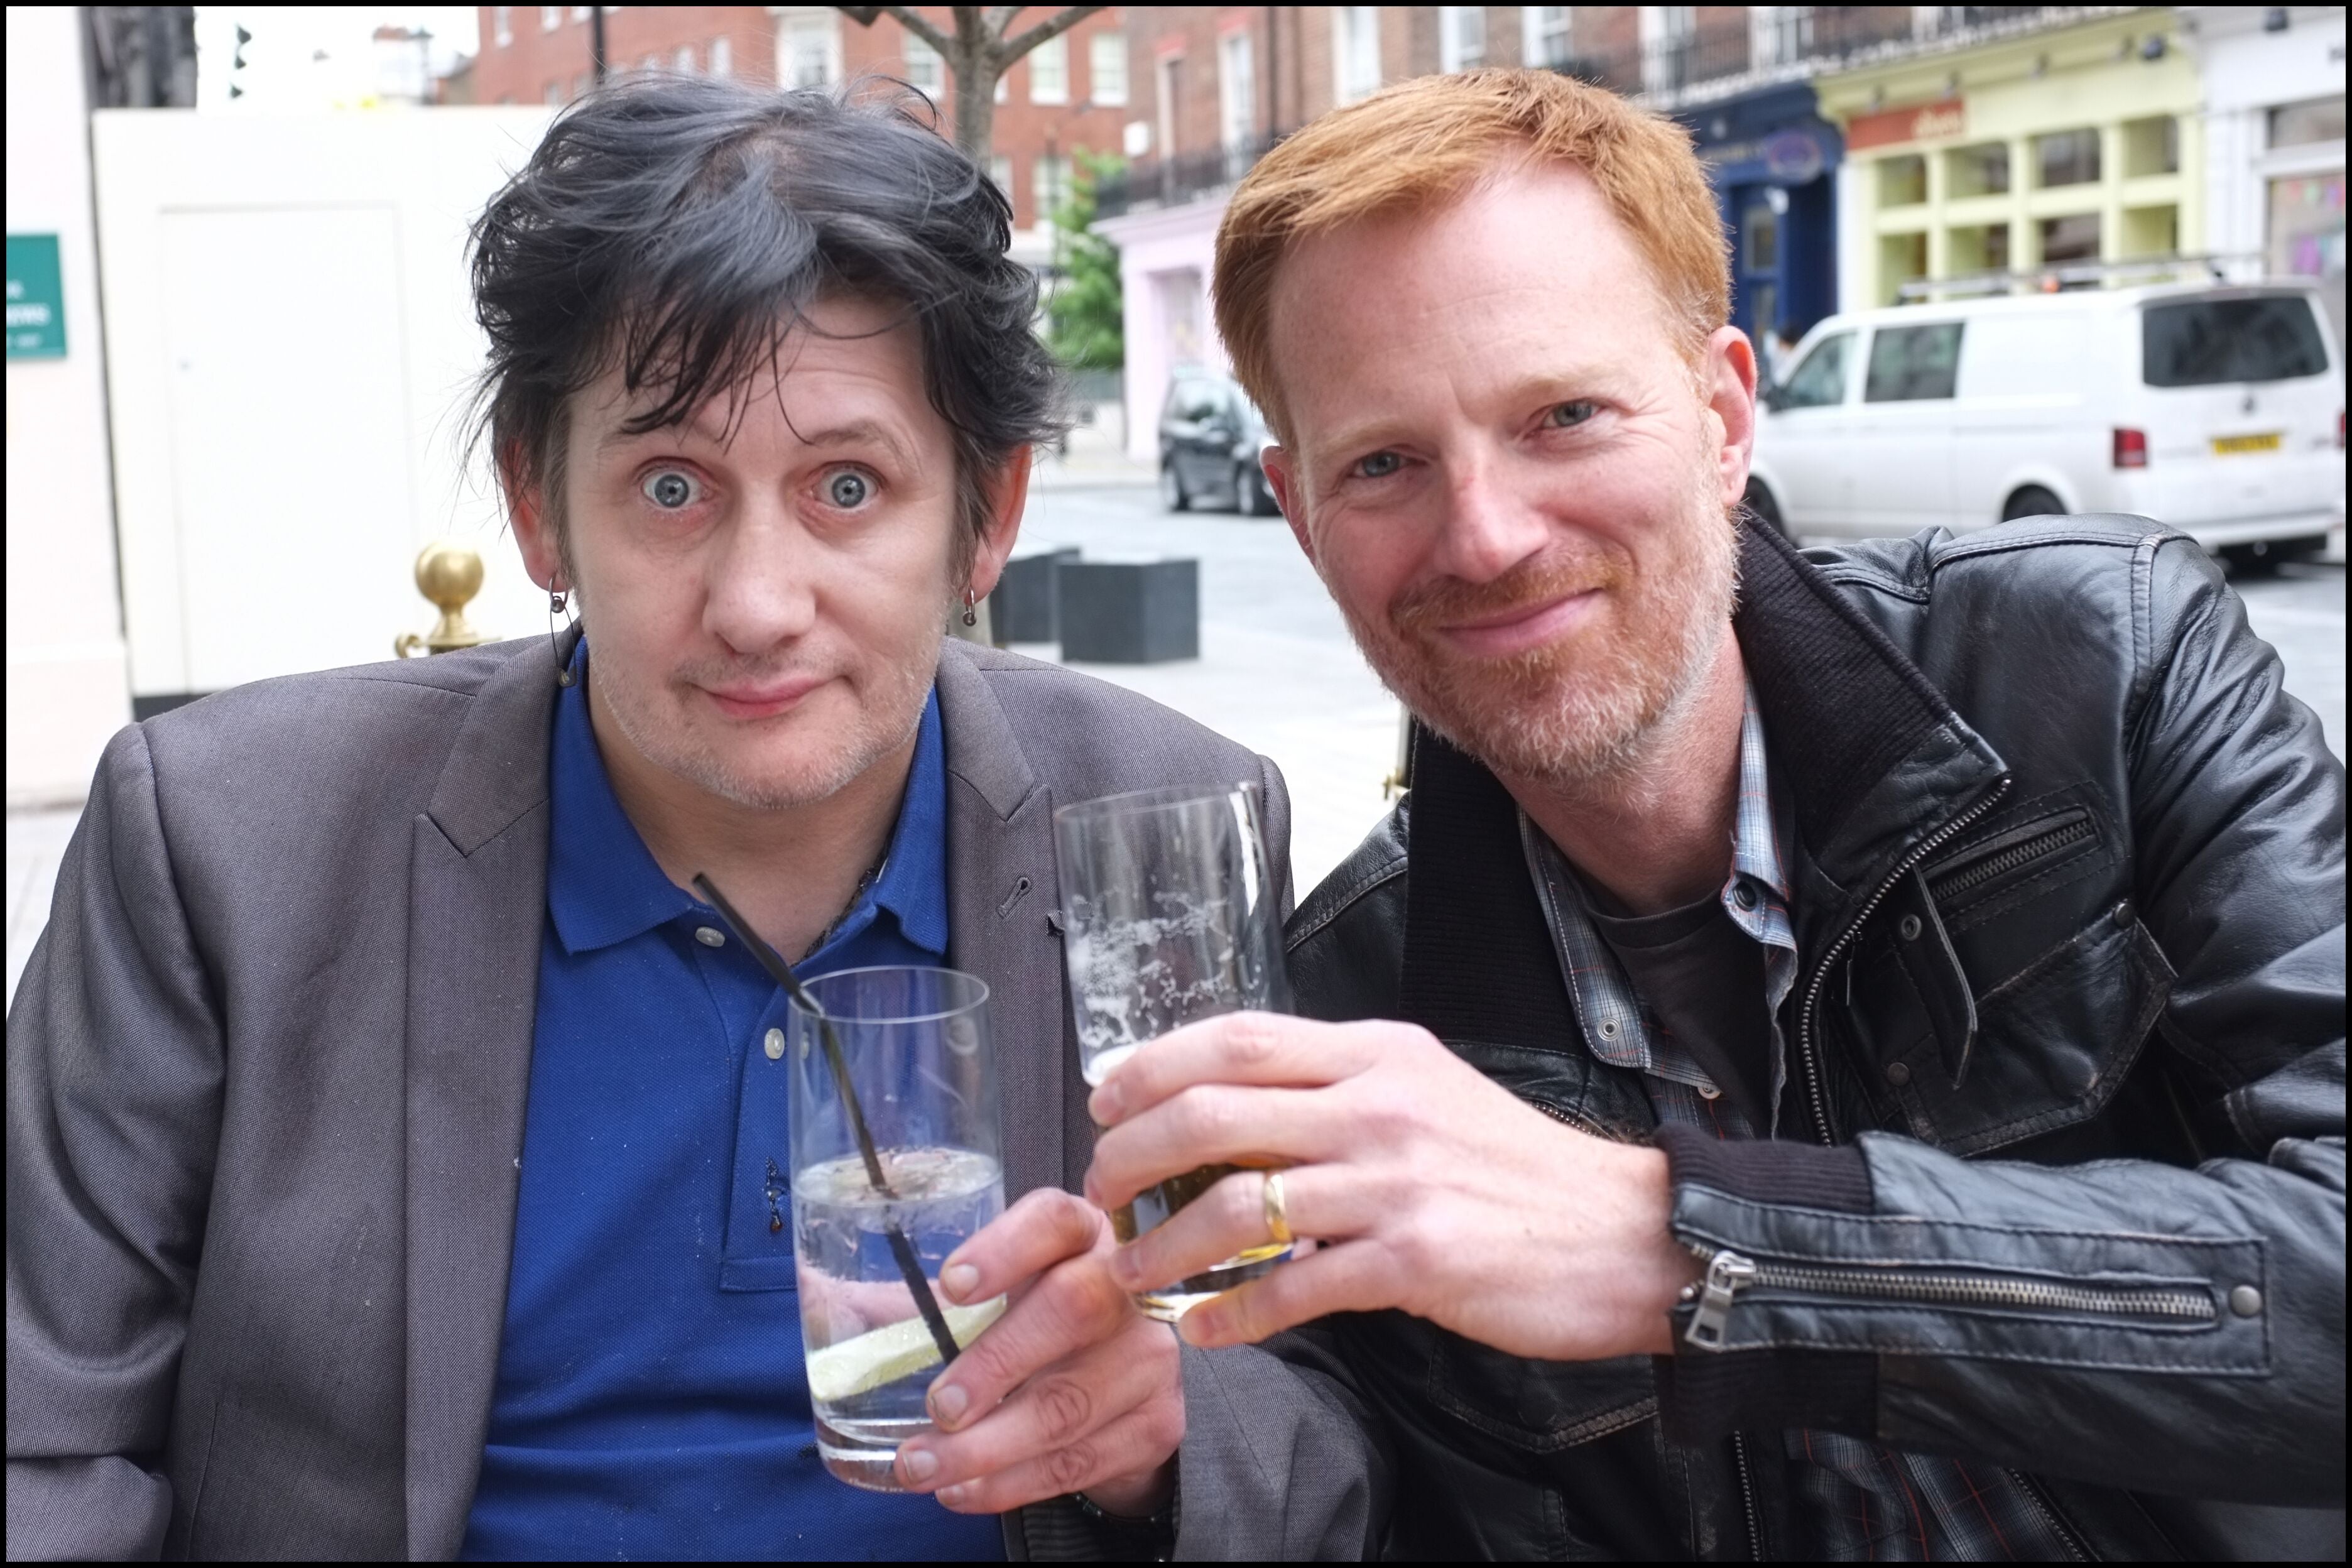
[2205, 343]
[1908, 363]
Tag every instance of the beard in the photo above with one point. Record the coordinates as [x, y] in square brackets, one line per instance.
[659, 719]
[1581, 710]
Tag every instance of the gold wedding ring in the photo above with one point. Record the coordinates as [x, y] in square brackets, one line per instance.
[1277, 1213]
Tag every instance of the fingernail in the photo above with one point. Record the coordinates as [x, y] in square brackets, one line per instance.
[953, 1497]
[1200, 1328]
[1104, 1105]
[948, 1402]
[919, 1463]
[957, 1281]
[1124, 1270]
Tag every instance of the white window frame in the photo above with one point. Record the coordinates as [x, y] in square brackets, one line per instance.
[1661, 27]
[551, 18]
[809, 27]
[1049, 186]
[502, 25]
[1049, 71]
[1355, 53]
[926, 70]
[1547, 35]
[685, 61]
[1236, 89]
[1106, 47]
[722, 56]
[1461, 37]
[1000, 174]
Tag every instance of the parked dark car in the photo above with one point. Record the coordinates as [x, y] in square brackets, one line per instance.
[1210, 437]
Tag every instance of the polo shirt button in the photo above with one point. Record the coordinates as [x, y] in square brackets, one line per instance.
[1744, 896]
[774, 1045]
[711, 936]
[1708, 1092]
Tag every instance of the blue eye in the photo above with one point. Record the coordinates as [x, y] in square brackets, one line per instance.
[849, 490]
[670, 488]
[1379, 466]
[1564, 415]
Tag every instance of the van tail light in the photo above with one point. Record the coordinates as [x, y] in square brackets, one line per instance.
[2131, 448]
[2339, 429]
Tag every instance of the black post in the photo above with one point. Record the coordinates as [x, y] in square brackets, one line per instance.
[596, 43]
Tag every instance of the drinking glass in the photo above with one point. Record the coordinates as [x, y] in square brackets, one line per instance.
[1168, 899]
[916, 1046]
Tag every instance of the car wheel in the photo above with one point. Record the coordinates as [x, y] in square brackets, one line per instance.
[1171, 488]
[2032, 501]
[2256, 557]
[1251, 498]
[1763, 508]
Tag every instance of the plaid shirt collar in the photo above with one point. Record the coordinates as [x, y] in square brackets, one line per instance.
[1618, 1029]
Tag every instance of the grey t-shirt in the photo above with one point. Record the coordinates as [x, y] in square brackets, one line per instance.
[1701, 978]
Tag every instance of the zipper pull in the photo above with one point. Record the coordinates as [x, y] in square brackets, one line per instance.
[1727, 1272]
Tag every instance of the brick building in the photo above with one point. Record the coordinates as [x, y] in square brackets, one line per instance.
[1067, 97]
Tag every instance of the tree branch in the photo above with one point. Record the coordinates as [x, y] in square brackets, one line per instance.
[912, 20]
[1012, 49]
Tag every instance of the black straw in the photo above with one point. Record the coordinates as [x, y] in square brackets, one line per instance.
[918, 1284]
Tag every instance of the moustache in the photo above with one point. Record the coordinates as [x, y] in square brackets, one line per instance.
[1524, 589]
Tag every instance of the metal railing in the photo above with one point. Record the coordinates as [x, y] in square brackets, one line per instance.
[1165, 181]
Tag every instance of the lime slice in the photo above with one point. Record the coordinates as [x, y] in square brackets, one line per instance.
[887, 1354]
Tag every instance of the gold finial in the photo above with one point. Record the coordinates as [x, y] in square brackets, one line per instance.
[448, 574]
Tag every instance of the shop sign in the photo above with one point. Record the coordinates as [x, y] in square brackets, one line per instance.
[36, 298]
[1788, 157]
[1920, 123]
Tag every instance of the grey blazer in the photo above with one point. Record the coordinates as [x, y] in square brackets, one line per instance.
[265, 1082]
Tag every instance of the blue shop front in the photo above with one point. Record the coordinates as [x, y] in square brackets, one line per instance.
[1773, 160]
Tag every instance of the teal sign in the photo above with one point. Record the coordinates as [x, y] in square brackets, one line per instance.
[36, 298]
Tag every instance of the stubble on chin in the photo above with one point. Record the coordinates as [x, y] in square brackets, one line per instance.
[673, 729]
[1577, 715]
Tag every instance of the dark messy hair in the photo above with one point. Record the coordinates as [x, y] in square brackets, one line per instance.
[679, 227]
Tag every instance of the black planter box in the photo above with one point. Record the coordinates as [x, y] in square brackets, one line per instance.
[1129, 612]
[1022, 608]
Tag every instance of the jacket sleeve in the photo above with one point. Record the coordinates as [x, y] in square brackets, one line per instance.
[2129, 1323]
[1281, 1459]
[114, 1098]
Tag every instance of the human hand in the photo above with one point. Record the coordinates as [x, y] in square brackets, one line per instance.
[1431, 1188]
[1071, 1390]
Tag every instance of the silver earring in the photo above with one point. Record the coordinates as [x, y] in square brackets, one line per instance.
[555, 609]
[971, 615]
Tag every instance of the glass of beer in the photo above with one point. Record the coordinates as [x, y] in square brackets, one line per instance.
[1170, 901]
[916, 1046]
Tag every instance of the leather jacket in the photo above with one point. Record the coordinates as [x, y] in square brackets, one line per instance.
[2068, 887]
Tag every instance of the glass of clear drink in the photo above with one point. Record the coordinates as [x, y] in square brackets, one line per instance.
[916, 1046]
[1169, 899]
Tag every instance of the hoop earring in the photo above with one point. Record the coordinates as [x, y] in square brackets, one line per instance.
[555, 609]
[971, 615]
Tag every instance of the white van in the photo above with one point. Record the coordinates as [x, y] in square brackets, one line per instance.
[2217, 409]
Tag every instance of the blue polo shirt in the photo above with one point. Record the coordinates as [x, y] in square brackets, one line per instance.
[651, 1399]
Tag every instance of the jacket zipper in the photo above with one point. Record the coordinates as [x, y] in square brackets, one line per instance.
[1728, 1273]
[1805, 1019]
[1970, 875]
[1748, 1496]
[2048, 1509]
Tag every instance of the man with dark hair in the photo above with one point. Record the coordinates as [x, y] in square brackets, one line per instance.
[1842, 1055]
[393, 1136]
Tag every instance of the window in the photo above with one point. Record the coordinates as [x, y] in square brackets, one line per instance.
[722, 56]
[1820, 380]
[581, 13]
[551, 93]
[808, 52]
[2300, 124]
[924, 70]
[1107, 66]
[1902, 180]
[2068, 158]
[1461, 37]
[1909, 364]
[1000, 174]
[1669, 39]
[1049, 71]
[2074, 238]
[1983, 247]
[1759, 239]
[1544, 34]
[1237, 89]
[683, 59]
[549, 18]
[1050, 185]
[1355, 52]
[502, 24]
[2151, 147]
[1779, 35]
[2208, 342]
[1980, 171]
[1172, 104]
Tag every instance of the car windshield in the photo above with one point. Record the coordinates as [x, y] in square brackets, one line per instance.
[2206, 343]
